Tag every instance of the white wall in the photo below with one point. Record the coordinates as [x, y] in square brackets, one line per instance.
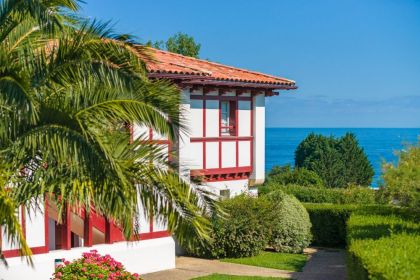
[244, 118]
[236, 187]
[137, 257]
[258, 173]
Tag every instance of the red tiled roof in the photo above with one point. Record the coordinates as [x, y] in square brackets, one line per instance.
[164, 62]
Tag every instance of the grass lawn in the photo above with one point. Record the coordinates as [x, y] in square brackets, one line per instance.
[283, 261]
[233, 277]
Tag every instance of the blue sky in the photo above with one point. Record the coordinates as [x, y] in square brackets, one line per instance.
[357, 63]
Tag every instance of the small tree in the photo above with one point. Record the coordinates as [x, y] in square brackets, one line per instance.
[358, 170]
[338, 161]
[401, 182]
[180, 43]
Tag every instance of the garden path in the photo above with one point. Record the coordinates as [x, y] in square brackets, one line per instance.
[323, 264]
[187, 268]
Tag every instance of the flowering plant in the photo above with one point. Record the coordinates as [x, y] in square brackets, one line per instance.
[93, 266]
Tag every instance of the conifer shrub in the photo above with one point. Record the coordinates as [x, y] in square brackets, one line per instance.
[290, 227]
[338, 161]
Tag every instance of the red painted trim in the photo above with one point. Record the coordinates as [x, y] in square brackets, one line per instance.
[220, 135]
[223, 98]
[23, 219]
[251, 158]
[46, 225]
[17, 253]
[98, 221]
[237, 132]
[150, 134]
[151, 224]
[87, 230]
[160, 142]
[66, 229]
[204, 133]
[221, 139]
[153, 235]
[215, 171]
[131, 128]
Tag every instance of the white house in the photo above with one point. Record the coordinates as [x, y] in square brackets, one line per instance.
[224, 108]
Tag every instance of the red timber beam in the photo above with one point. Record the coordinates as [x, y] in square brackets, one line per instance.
[87, 230]
[66, 229]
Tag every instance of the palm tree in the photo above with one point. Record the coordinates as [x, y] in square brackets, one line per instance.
[68, 88]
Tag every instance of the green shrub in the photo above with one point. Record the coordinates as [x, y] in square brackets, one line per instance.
[375, 226]
[402, 181]
[338, 161]
[384, 243]
[243, 232]
[394, 257]
[285, 175]
[290, 227]
[329, 223]
[349, 195]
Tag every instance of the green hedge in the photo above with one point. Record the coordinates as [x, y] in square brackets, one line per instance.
[382, 246]
[329, 221]
[394, 257]
[350, 195]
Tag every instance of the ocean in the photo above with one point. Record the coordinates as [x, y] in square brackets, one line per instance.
[380, 144]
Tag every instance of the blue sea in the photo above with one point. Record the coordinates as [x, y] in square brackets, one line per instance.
[380, 144]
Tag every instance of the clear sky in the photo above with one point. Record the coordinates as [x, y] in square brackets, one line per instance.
[356, 62]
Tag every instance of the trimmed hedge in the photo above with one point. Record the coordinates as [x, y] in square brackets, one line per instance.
[350, 195]
[329, 221]
[394, 257]
[383, 246]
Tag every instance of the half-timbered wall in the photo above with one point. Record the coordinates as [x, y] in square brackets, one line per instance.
[214, 154]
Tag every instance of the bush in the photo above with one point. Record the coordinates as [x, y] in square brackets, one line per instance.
[383, 246]
[377, 225]
[285, 175]
[94, 266]
[402, 181]
[394, 257]
[338, 161]
[350, 195]
[329, 223]
[243, 233]
[290, 225]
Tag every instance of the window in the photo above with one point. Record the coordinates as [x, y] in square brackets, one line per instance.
[227, 118]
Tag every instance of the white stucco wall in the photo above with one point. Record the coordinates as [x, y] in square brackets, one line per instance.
[235, 187]
[137, 257]
[258, 173]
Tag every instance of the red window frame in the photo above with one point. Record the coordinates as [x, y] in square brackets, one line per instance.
[232, 120]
